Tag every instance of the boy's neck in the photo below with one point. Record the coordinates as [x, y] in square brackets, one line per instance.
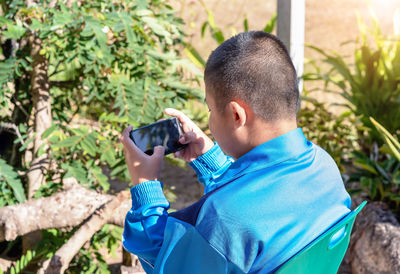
[256, 132]
[262, 132]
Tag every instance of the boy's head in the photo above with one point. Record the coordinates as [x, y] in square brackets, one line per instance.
[252, 71]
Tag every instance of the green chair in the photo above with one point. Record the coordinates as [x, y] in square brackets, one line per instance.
[325, 253]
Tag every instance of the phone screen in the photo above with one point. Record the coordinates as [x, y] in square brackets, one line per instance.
[165, 133]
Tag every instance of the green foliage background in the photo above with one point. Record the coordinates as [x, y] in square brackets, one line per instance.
[111, 63]
[370, 86]
[114, 63]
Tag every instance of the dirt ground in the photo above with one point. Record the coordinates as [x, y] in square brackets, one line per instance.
[183, 183]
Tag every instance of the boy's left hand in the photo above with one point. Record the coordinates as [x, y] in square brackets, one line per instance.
[141, 166]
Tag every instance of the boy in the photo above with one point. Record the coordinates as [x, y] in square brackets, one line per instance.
[279, 193]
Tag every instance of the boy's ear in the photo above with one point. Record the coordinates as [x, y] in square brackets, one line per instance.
[238, 113]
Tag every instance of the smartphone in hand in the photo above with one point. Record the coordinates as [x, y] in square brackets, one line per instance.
[164, 133]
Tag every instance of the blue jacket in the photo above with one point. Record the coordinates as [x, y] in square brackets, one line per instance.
[256, 213]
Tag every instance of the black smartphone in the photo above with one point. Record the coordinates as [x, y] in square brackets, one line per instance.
[164, 133]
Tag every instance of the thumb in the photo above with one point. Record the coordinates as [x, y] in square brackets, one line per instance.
[188, 137]
[158, 151]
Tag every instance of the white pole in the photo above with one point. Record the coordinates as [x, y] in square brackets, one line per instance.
[291, 24]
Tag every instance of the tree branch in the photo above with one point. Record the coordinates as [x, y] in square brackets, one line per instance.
[63, 84]
[56, 68]
[14, 128]
[67, 209]
[118, 218]
[61, 259]
[19, 105]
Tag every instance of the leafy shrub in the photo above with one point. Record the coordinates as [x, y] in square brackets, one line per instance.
[371, 88]
[334, 133]
[11, 187]
[378, 174]
[110, 64]
[91, 260]
[114, 63]
[371, 85]
[390, 140]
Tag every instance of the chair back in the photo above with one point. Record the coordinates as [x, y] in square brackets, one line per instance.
[324, 254]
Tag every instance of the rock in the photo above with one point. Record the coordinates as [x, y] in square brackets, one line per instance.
[375, 241]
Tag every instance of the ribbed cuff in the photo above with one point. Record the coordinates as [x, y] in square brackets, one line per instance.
[149, 192]
[209, 162]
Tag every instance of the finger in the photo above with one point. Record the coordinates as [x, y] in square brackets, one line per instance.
[162, 119]
[158, 152]
[187, 124]
[125, 133]
[129, 144]
[178, 154]
[187, 137]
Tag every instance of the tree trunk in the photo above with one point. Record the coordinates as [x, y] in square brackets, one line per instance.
[40, 90]
[42, 121]
[42, 116]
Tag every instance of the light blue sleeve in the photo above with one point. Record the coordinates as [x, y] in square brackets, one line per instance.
[210, 166]
[145, 223]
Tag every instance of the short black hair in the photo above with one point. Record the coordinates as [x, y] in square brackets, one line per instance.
[256, 68]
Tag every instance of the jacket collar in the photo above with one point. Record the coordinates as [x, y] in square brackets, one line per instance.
[272, 152]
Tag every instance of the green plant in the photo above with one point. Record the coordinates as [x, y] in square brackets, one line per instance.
[377, 175]
[370, 86]
[19, 266]
[11, 187]
[72, 76]
[105, 64]
[390, 140]
[334, 133]
[88, 260]
[91, 260]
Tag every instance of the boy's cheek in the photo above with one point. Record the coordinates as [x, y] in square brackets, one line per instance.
[214, 132]
[211, 124]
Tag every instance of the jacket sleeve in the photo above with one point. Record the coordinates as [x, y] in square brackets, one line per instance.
[189, 252]
[145, 223]
[210, 166]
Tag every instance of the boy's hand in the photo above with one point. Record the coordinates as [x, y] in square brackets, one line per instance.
[141, 166]
[198, 142]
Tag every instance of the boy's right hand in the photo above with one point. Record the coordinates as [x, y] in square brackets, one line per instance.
[198, 142]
